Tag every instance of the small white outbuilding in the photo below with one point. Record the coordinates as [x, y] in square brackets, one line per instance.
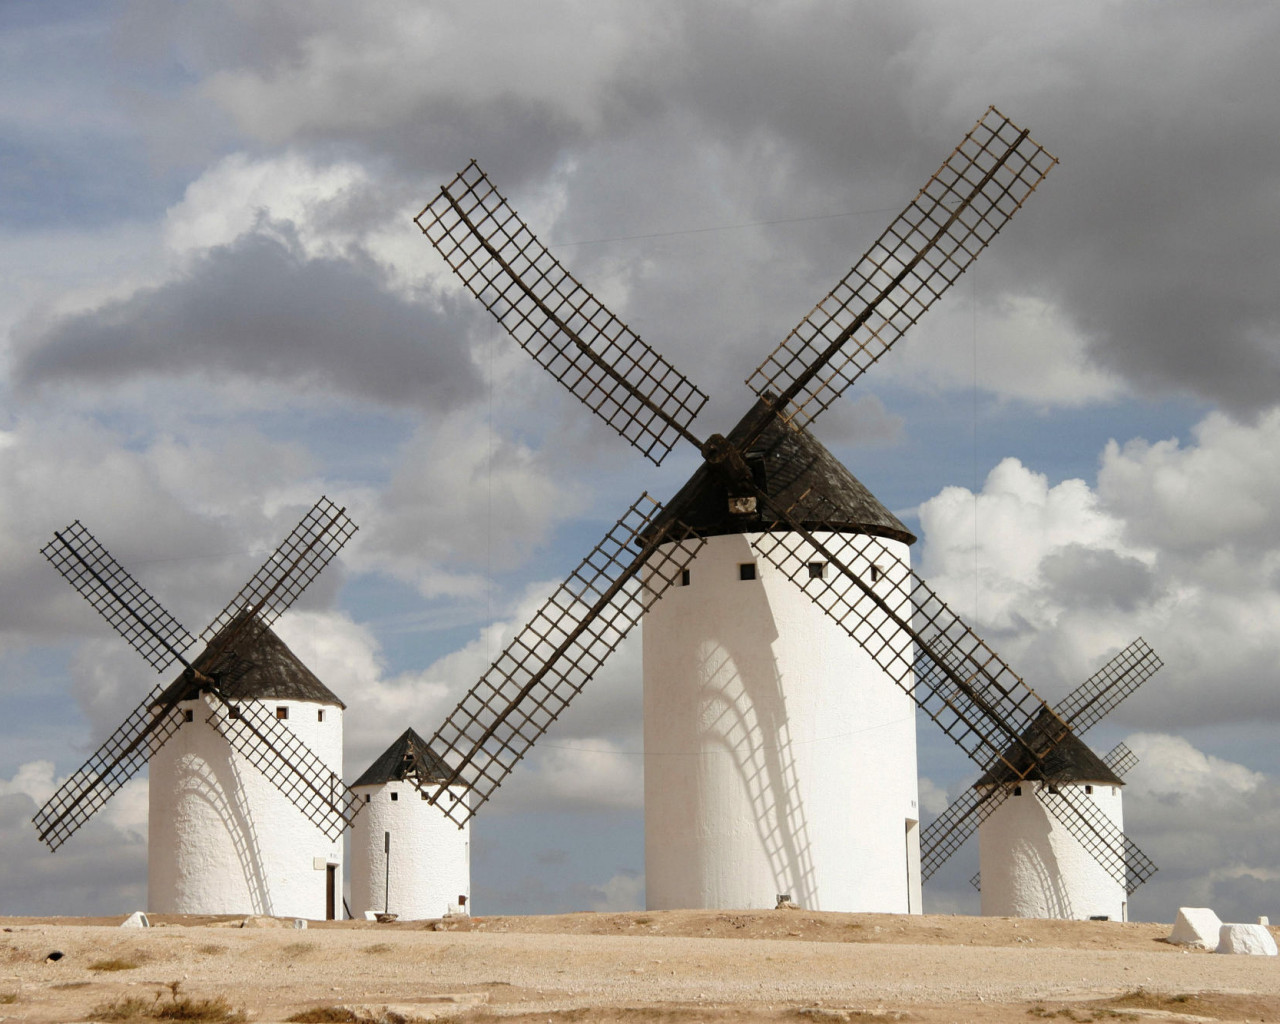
[779, 759]
[222, 838]
[1031, 864]
[407, 857]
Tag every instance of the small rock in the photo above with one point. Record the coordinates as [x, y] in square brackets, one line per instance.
[1197, 927]
[54, 957]
[300, 923]
[1250, 939]
[261, 921]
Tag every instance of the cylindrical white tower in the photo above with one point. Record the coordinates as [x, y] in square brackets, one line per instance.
[779, 759]
[222, 838]
[1032, 866]
[407, 857]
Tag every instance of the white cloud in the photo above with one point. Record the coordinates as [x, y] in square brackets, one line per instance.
[624, 891]
[1171, 545]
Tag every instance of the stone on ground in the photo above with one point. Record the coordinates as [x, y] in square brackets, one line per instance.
[1197, 927]
[1253, 939]
[136, 920]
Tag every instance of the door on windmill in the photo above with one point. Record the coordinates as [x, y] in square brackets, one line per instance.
[330, 891]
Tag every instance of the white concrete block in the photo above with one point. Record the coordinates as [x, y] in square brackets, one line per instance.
[1251, 939]
[136, 920]
[1197, 927]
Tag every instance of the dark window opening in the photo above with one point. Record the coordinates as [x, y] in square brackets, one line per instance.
[422, 794]
[1088, 789]
[282, 712]
[684, 577]
[1017, 791]
[755, 463]
[188, 715]
[817, 570]
[235, 712]
[747, 571]
[875, 574]
[367, 797]
[320, 714]
[395, 795]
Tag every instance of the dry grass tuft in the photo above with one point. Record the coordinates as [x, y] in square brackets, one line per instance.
[323, 1015]
[297, 949]
[379, 947]
[208, 1011]
[114, 965]
[8, 997]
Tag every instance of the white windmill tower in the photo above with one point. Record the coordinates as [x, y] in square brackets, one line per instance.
[407, 858]
[1036, 860]
[853, 570]
[247, 804]
[1033, 865]
[780, 760]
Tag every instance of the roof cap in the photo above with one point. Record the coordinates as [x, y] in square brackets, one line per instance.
[409, 756]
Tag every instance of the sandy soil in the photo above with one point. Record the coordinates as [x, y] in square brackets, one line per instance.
[667, 967]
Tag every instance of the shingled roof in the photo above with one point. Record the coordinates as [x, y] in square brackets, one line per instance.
[786, 462]
[263, 668]
[407, 756]
[1068, 760]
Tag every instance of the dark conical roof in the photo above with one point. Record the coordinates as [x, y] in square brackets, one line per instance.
[1067, 760]
[258, 666]
[407, 756]
[786, 462]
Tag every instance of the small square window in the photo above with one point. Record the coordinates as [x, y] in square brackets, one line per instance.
[395, 795]
[1017, 791]
[234, 713]
[282, 711]
[320, 714]
[747, 571]
[367, 797]
[876, 573]
[188, 715]
[684, 577]
[1088, 789]
[422, 794]
[817, 570]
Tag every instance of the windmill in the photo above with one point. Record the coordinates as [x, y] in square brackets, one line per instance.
[1035, 866]
[407, 858]
[855, 572]
[247, 802]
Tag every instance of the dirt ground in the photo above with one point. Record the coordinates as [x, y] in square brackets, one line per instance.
[676, 967]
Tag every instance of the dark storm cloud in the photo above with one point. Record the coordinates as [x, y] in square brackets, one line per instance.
[258, 310]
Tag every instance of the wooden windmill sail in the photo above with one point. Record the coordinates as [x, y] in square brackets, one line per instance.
[869, 591]
[238, 644]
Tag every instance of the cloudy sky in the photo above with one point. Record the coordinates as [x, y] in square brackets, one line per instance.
[215, 307]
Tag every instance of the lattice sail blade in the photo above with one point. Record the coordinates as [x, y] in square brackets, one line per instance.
[555, 656]
[299, 559]
[120, 599]
[975, 880]
[125, 753]
[1121, 760]
[1099, 695]
[964, 686]
[552, 317]
[1097, 833]
[287, 762]
[950, 829]
[975, 192]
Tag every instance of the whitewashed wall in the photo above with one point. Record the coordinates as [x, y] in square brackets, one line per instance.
[1033, 867]
[430, 855]
[222, 839]
[778, 757]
